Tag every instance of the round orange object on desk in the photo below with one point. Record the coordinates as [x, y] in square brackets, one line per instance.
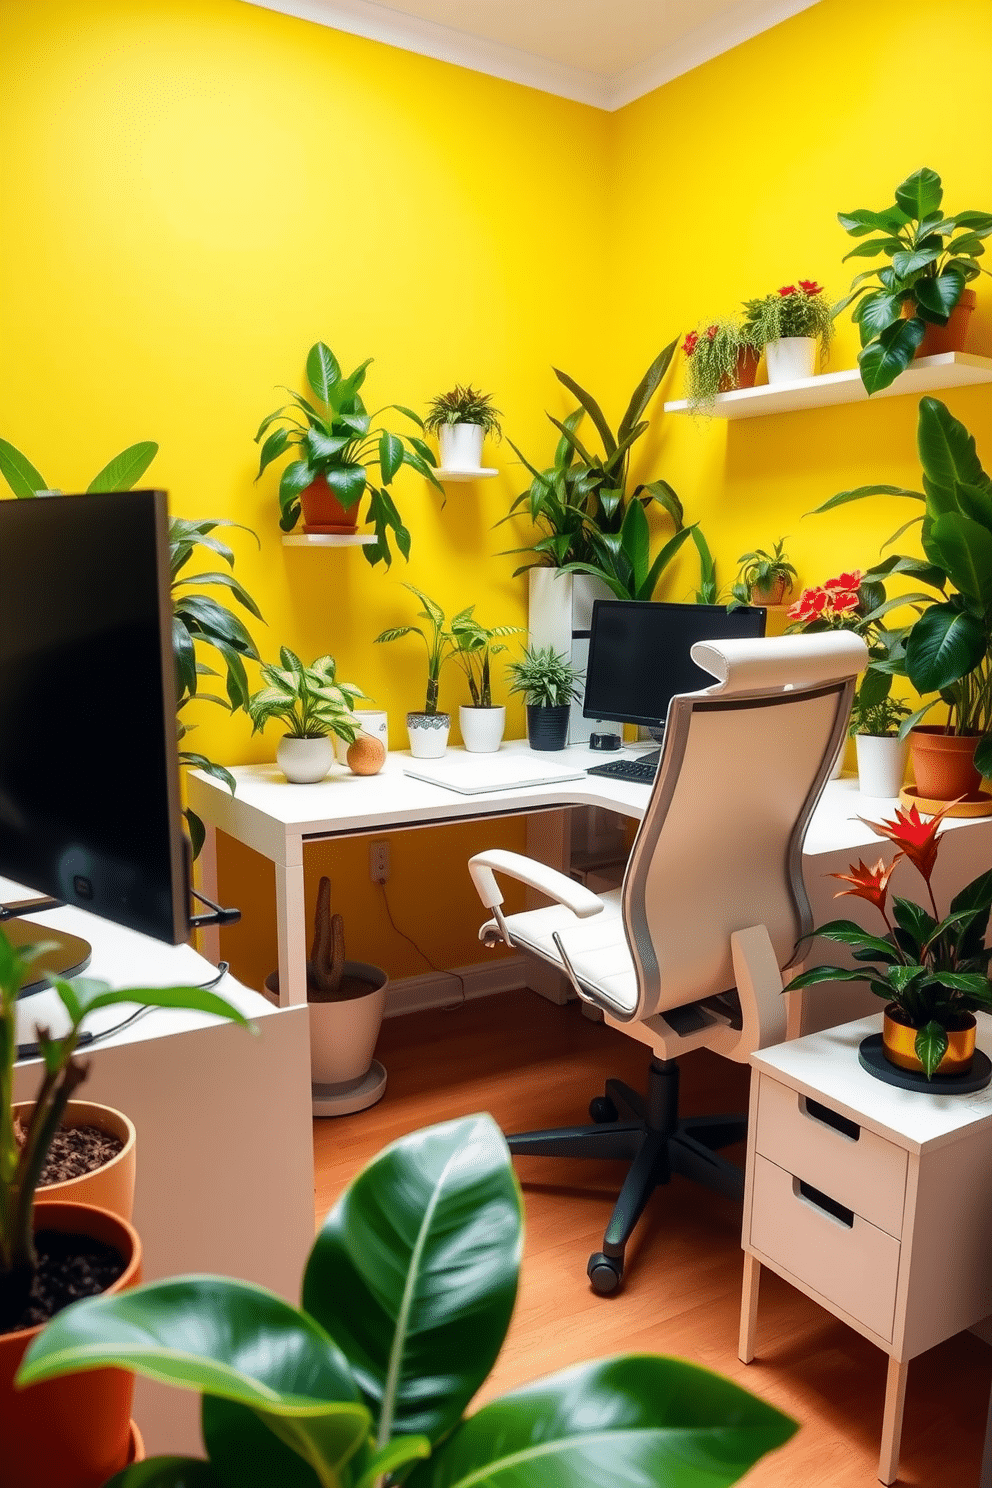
[367, 755]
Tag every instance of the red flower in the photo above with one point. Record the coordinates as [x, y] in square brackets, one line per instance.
[690, 342]
[809, 605]
[711, 332]
[844, 603]
[810, 287]
[869, 883]
[915, 838]
[845, 580]
[789, 289]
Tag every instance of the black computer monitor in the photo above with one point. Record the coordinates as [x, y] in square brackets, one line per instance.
[90, 810]
[639, 654]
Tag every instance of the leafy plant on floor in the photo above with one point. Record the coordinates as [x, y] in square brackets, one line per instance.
[407, 1296]
[546, 679]
[336, 442]
[308, 699]
[21, 1166]
[799, 309]
[931, 259]
[463, 405]
[474, 646]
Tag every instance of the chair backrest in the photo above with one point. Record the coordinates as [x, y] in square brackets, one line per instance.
[743, 765]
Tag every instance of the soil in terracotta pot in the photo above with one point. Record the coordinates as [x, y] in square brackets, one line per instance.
[76, 1150]
[69, 1267]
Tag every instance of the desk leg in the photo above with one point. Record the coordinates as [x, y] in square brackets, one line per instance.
[206, 882]
[895, 1400]
[292, 931]
[749, 1307]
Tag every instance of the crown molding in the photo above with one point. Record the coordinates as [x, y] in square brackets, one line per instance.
[477, 53]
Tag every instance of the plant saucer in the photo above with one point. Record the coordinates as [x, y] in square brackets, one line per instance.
[975, 805]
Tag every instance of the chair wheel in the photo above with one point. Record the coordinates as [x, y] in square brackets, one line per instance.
[602, 1109]
[604, 1272]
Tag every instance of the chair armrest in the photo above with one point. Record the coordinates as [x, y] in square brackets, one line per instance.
[483, 867]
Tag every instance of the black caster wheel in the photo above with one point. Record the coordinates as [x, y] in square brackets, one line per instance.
[602, 1109]
[604, 1272]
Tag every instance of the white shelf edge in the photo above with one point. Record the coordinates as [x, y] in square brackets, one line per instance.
[948, 369]
[484, 472]
[328, 539]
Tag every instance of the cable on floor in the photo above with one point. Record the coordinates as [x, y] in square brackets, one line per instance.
[451, 1007]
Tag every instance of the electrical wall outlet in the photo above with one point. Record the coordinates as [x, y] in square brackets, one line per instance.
[379, 861]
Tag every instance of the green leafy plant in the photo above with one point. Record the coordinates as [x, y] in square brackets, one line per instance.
[931, 969]
[440, 643]
[547, 679]
[947, 651]
[119, 474]
[879, 718]
[858, 602]
[762, 574]
[407, 1296]
[708, 592]
[799, 309]
[335, 441]
[930, 256]
[308, 699]
[463, 405]
[713, 356]
[583, 500]
[21, 1165]
[474, 646]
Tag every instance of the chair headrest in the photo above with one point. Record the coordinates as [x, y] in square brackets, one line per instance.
[781, 663]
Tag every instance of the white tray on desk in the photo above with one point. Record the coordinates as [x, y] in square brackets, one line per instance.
[474, 774]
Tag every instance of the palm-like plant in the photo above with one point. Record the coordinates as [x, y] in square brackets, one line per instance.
[440, 643]
[474, 646]
[308, 699]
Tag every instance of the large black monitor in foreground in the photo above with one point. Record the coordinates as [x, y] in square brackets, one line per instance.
[90, 810]
[639, 654]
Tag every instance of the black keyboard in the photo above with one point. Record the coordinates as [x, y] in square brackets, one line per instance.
[641, 769]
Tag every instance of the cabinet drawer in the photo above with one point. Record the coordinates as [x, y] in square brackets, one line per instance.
[853, 1265]
[856, 1167]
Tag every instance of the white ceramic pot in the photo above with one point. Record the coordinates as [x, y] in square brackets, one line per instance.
[482, 728]
[343, 1033]
[560, 615]
[428, 734]
[373, 721]
[304, 761]
[791, 359]
[881, 765]
[461, 446]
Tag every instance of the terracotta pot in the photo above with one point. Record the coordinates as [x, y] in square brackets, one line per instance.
[110, 1187]
[136, 1452]
[773, 595]
[323, 512]
[744, 373]
[944, 764]
[73, 1432]
[949, 337]
[899, 1040]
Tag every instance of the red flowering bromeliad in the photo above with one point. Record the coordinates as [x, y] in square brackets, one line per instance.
[932, 972]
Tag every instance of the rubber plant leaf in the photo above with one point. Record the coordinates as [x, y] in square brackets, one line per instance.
[124, 469]
[965, 547]
[636, 1420]
[883, 360]
[947, 450]
[415, 1273]
[920, 194]
[323, 371]
[944, 645]
[167, 1472]
[252, 1448]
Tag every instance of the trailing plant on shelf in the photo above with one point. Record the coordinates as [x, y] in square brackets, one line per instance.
[716, 355]
[463, 405]
[61, 1073]
[547, 679]
[764, 578]
[931, 258]
[474, 647]
[406, 1299]
[309, 700]
[932, 971]
[440, 643]
[335, 442]
[582, 501]
[799, 309]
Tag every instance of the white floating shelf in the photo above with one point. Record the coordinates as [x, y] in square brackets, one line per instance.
[328, 539]
[949, 369]
[483, 473]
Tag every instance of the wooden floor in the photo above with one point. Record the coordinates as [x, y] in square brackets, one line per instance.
[533, 1065]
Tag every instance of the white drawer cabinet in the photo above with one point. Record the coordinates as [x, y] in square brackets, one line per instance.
[874, 1201]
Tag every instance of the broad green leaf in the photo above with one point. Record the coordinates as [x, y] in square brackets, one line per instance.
[646, 388]
[873, 246]
[229, 582]
[947, 450]
[983, 757]
[167, 1472]
[324, 448]
[347, 482]
[846, 932]
[860, 492]
[819, 974]
[664, 558]
[415, 1273]
[323, 371]
[965, 547]
[635, 536]
[940, 294]
[19, 473]
[592, 408]
[914, 920]
[876, 312]
[250, 1448]
[861, 221]
[944, 645]
[636, 1421]
[87, 994]
[124, 469]
[275, 445]
[390, 455]
[912, 260]
[661, 491]
[920, 194]
[931, 1046]
[882, 360]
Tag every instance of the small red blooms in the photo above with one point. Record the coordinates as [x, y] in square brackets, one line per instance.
[844, 580]
[869, 883]
[690, 343]
[837, 601]
[711, 332]
[788, 289]
[810, 287]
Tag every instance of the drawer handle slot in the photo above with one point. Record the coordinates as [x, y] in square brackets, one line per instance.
[825, 1202]
[833, 1119]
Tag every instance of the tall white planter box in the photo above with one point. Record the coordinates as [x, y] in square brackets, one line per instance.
[560, 615]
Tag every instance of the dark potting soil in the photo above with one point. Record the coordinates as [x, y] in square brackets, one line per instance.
[76, 1150]
[350, 988]
[69, 1267]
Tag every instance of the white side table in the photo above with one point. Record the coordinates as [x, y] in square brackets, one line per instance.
[874, 1201]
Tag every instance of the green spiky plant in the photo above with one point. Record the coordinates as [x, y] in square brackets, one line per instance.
[760, 574]
[463, 405]
[407, 1297]
[546, 679]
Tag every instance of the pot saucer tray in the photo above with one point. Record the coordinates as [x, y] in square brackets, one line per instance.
[872, 1058]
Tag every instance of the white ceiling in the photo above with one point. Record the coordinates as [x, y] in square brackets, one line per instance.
[602, 52]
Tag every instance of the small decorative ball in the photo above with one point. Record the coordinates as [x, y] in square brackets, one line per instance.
[367, 755]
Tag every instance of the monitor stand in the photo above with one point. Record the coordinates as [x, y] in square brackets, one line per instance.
[67, 955]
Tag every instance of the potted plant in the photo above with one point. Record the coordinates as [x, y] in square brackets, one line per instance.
[917, 303]
[481, 723]
[316, 708]
[75, 1434]
[764, 578]
[719, 357]
[788, 324]
[406, 1300]
[931, 971]
[336, 447]
[461, 419]
[882, 754]
[428, 729]
[549, 683]
[91, 1157]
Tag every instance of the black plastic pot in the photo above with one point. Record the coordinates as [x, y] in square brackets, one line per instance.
[547, 728]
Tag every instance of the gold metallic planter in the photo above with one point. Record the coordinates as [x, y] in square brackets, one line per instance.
[899, 1040]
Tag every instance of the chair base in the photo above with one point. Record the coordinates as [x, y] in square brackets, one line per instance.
[647, 1132]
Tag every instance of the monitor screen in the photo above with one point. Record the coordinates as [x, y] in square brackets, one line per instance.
[639, 654]
[89, 777]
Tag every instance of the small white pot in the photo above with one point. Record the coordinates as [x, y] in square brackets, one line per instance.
[461, 446]
[881, 765]
[374, 721]
[304, 761]
[428, 734]
[791, 359]
[343, 1033]
[482, 728]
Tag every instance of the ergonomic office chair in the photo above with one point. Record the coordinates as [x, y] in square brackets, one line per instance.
[690, 951]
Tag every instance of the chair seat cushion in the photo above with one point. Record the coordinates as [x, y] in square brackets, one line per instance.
[596, 947]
